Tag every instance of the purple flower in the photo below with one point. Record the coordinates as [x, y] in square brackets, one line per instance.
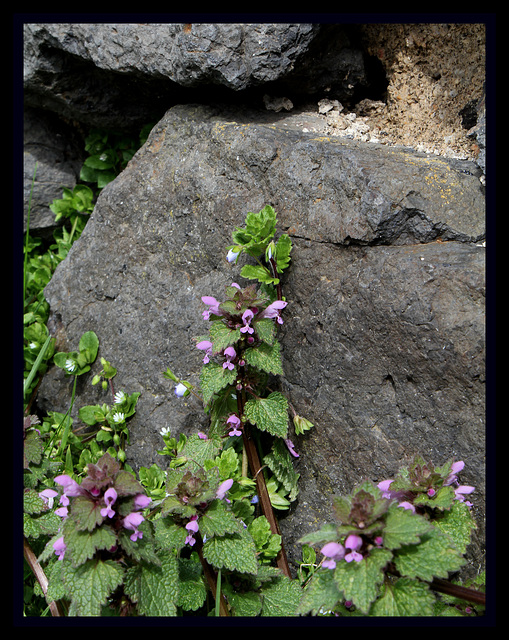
[461, 491]
[456, 467]
[334, 552]
[71, 487]
[353, 543]
[59, 547]
[213, 307]
[205, 345]
[132, 522]
[141, 501]
[229, 353]
[232, 255]
[223, 488]
[247, 316]
[109, 498]
[274, 310]
[235, 422]
[291, 448]
[47, 495]
[407, 505]
[192, 527]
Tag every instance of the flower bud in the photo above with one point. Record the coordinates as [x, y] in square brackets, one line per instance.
[301, 425]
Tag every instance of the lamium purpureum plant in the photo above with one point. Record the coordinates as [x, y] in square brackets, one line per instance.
[393, 546]
[241, 355]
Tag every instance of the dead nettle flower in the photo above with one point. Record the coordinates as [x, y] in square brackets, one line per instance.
[230, 354]
[274, 311]
[234, 422]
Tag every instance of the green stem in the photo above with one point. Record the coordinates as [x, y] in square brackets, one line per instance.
[35, 366]
[27, 235]
[218, 594]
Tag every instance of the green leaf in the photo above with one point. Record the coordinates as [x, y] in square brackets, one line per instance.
[246, 604]
[404, 597]
[265, 330]
[283, 248]
[155, 588]
[169, 535]
[435, 556]
[265, 357]
[82, 545]
[222, 336]
[359, 580]
[86, 513]
[458, 524]
[213, 378]
[280, 463]
[236, 551]
[258, 232]
[321, 594]
[269, 414]
[258, 272]
[192, 590]
[403, 527]
[89, 345]
[33, 449]
[90, 584]
[281, 597]
[143, 548]
[218, 520]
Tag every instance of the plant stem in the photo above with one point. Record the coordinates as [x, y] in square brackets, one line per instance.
[40, 576]
[214, 584]
[261, 487]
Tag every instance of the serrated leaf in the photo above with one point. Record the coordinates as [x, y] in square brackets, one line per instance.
[244, 604]
[236, 552]
[320, 594]
[458, 524]
[43, 524]
[280, 463]
[281, 597]
[435, 556]
[89, 585]
[327, 533]
[155, 588]
[169, 535]
[404, 597]
[82, 545]
[32, 502]
[265, 357]
[213, 378]
[86, 513]
[269, 414]
[265, 330]
[143, 548]
[359, 580]
[258, 272]
[222, 336]
[217, 520]
[192, 589]
[283, 248]
[403, 527]
[443, 499]
[33, 449]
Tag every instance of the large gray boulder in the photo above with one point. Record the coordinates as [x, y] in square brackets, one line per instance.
[122, 75]
[384, 331]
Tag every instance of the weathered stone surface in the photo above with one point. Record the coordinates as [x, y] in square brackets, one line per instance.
[125, 74]
[384, 332]
[53, 154]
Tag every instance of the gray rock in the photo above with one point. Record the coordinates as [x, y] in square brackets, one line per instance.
[52, 152]
[125, 74]
[384, 332]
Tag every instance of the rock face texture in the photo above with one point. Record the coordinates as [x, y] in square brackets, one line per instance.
[384, 331]
[383, 337]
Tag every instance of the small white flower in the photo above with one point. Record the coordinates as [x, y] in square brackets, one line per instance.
[232, 255]
[118, 417]
[33, 345]
[181, 390]
[70, 365]
[165, 431]
[120, 396]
